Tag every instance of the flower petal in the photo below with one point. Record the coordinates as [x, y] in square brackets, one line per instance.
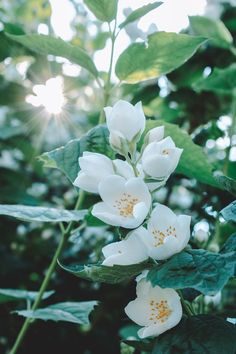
[138, 311]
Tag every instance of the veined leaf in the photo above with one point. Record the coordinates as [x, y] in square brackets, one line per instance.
[104, 10]
[205, 271]
[163, 53]
[66, 157]
[202, 334]
[229, 212]
[105, 274]
[7, 295]
[31, 213]
[46, 45]
[136, 14]
[75, 312]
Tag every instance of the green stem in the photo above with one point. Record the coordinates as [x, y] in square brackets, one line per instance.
[186, 307]
[230, 133]
[50, 271]
[108, 82]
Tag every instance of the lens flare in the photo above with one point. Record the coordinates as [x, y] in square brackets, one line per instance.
[50, 95]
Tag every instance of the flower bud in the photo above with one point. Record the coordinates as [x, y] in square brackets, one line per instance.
[125, 122]
[161, 158]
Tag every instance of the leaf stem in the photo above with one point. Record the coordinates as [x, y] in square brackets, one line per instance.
[188, 310]
[50, 271]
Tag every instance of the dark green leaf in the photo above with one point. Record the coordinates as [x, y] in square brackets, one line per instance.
[213, 29]
[104, 10]
[163, 53]
[230, 244]
[200, 334]
[221, 81]
[46, 45]
[146, 346]
[66, 157]
[229, 212]
[105, 274]
[136, 14]
[75, 312]
[7, 295]
[227, 183]
[198, 269]
[31, 213]
[193, 162]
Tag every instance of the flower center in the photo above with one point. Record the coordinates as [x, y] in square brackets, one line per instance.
[160, 311]
[161, 235]
[165, 152]
[126, 204]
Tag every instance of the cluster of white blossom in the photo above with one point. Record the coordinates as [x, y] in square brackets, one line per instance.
[125, 188]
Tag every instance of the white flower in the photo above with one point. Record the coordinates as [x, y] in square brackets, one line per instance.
[125, 203]
[125, 123]
[155, 134]
[131, 250]
[167, 233]
[160, 158]
[201, 235]
[95, 167]
[213, 299]
[155, 309]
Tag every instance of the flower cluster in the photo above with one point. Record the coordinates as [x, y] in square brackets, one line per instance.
[125, 187]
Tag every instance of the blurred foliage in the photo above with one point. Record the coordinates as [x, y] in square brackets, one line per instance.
[27, 131]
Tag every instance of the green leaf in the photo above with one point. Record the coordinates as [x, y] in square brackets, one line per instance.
[202, 334]
[7, 295]
[221, 81]
[215, 30]
[75, 312]
[230, 244]
[136, 14]
[198, 269]
[66, 157]
[227, 183]
[163, 53]
[105, 274]
[229, 212]
[193, 162]
[104, 10]
[46, 45]
[7, 132]
[142, 345]
[33, 213]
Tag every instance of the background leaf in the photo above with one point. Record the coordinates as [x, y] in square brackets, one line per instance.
[202, 334]
[215, 30]
[221, 81]
[196, 268]
[7, 295]
[104, 10]
[46, 45]
[136, 14]
[32, 213]
[163, 53]
[75, 312]
[66, 157]
[229, 212]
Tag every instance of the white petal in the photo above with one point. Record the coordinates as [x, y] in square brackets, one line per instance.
[156, 134]
[138, 311]
[140, 115]
[111, 189]
[97, 164]
[162, 217]
[123, 169]
[138, 188]
[87, 183]
[183, 234]
[165, 251]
